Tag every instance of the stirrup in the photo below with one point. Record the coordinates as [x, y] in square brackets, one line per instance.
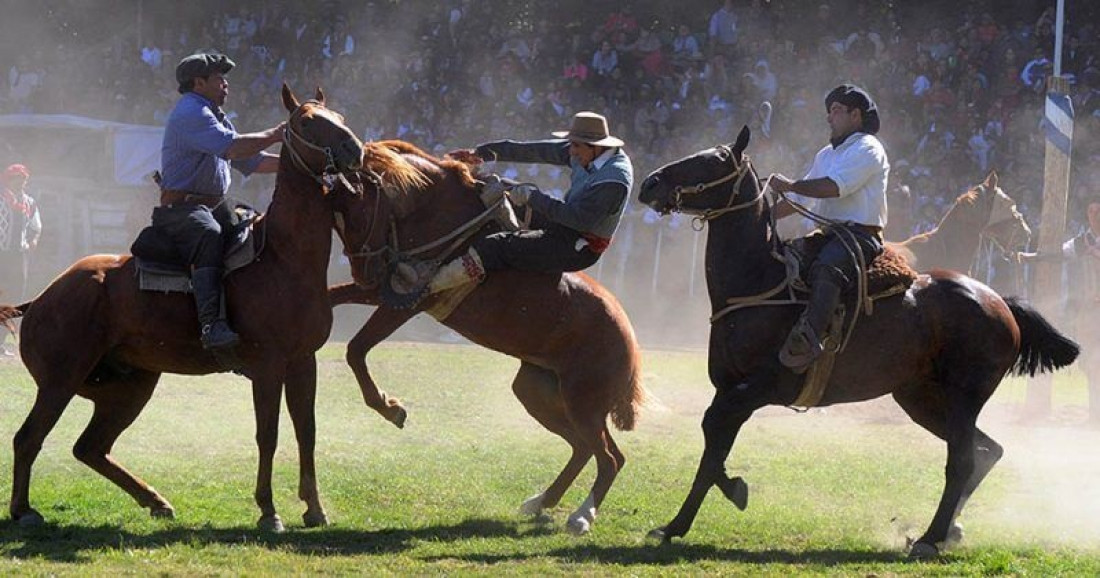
[407, 283]
[801, 349]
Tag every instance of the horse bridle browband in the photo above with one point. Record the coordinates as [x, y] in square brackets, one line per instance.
[329, 172]
[738, 174]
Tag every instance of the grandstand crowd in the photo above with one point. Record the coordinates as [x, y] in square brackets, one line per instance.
[960, 84]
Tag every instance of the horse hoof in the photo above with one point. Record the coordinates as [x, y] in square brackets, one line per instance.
[31, 519]
[398, 418]
[735, 490]
[658, 534]
[579, 526]
[923, 551]
[532, 506]
[272, 524]
[954, 535]
[165, 512]
[315, 520]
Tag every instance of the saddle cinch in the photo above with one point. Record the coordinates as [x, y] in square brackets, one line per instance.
[161, 267]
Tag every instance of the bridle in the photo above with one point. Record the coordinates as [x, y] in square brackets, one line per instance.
[737, 174]
[328, 174]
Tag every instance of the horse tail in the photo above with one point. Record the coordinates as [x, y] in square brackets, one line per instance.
[9, 313]
[630, 394]
[1042, 347]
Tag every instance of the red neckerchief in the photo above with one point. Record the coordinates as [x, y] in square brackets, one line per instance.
[22, 206]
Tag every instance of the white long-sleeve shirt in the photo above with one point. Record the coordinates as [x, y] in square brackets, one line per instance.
[860, 169]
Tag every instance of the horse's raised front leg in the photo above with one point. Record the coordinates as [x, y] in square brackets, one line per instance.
[732, 406]
[301, 395]
[267, 390]
[381, 324]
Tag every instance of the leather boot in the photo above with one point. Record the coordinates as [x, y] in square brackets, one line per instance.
[207, 285]
[804, 344]
[461, 271]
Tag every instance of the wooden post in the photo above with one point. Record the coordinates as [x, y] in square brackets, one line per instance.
[1048, 294]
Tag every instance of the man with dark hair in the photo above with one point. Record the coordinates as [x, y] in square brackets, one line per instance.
[200, 145]
[847, 185]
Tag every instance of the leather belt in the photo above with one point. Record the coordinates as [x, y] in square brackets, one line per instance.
[169, 198]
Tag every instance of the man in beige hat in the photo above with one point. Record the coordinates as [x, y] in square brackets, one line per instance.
[565, 235]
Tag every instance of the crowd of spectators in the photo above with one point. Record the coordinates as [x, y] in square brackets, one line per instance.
[960, 84]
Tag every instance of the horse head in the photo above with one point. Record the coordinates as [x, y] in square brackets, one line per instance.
[1005, 227]
[317, 140]
[391, 189]
[708, 183]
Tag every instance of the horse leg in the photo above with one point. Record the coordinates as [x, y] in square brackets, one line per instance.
[381, 324]
[301, 395]
[537, 389]
[266, 392]
[731, 408]
[117, 405]
[49, 404]
[928, 411]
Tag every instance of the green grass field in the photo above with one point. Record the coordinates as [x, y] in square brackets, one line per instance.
[832, 492]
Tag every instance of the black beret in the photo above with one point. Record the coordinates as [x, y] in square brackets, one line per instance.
[853, 96]
[202, 65]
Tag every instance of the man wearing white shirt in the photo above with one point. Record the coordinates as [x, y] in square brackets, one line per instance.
[847, 186]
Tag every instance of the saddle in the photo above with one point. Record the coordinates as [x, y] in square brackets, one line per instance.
[161, 267]
[888, 274]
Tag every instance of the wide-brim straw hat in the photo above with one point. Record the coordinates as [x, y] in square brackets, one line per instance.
[590, 128]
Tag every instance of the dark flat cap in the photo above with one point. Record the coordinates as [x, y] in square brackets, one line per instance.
[202, 65]
[853, 96]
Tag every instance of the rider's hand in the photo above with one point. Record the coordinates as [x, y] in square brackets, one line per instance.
[275, 134]
[521, 194]
[780, 183]
[467, 156]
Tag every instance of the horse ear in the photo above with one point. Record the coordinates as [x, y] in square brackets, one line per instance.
[991, 180]
[742, 140]
[320, 96]
[289, 101]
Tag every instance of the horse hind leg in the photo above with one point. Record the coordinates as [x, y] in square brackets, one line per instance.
[538, 390]
[117, 405]
[971, 456]
[588, 415]
[49, 404]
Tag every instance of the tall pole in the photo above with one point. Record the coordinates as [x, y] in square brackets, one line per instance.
[1058, 128]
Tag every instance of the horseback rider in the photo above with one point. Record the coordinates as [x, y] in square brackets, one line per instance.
[847, 184]
[567, 235]
[200, 144]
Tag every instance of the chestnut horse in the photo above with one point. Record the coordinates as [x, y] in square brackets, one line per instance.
[579, 360]
[983, 212]
[93, 333]
[940, 349]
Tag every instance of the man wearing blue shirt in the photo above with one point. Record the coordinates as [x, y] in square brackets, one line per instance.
[566, 235]
[200, 144]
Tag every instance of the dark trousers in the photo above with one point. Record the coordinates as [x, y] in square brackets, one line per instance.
[835, 260]
[550, 249]
[196, 230]
[13, 276]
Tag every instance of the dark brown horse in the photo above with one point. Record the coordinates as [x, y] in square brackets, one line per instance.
[93, 333]
[940, 349]
[983, 212]
[579, 358]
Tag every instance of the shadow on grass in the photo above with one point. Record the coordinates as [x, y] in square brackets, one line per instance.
[668, 554]
[75, 543]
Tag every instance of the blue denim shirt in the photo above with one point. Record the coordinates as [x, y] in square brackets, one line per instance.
[196, 138]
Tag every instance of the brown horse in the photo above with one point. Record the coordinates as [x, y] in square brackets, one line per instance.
[93, 333]
[579, 358]
[940, 349]
[983, 212]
